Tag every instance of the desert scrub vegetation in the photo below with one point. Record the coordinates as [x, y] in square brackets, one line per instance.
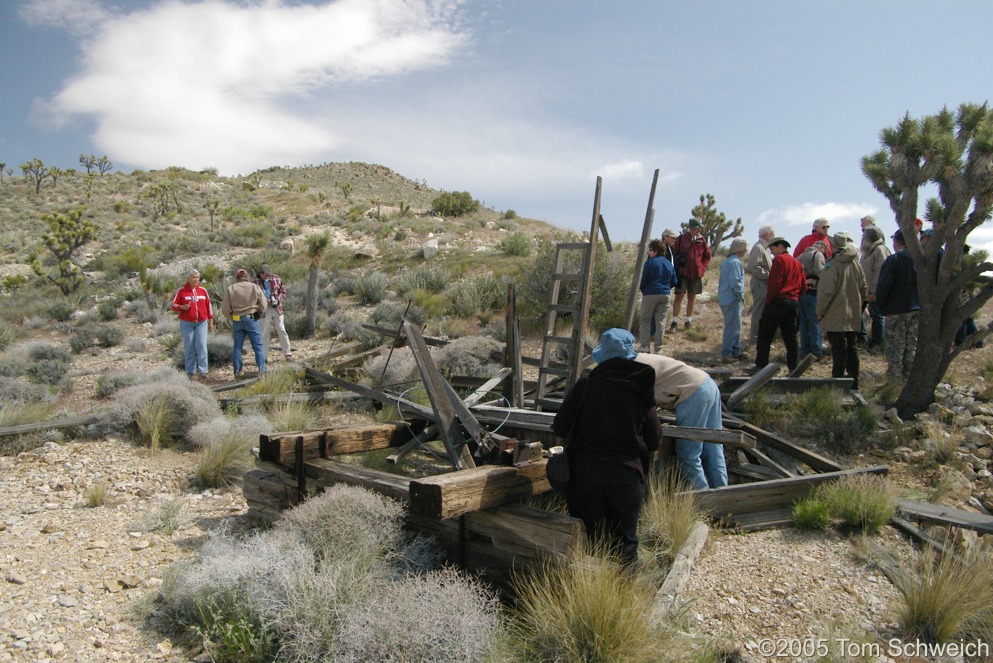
[335, 579]
[515, 244]
[429, 278]
[863, 501]
[225, 448]
[811, 513]
[470, 356]
[477, 296]
[946, 596]
[110, 383]
[454, 203]
[668, 516]
[157, 413]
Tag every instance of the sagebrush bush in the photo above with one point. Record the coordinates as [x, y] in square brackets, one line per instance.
[372, 287]
[108, 336]
[61, 309]
[247, 428]
[397, 371]
[18, 392]
[8, 334]
[390, 314]
[110, 383]
[49, 365]
[469, 356]
[191, 402]
[220, 349]
[107, 310]
[82, 339]
[352, 330]
[429, 278]
[13, 364]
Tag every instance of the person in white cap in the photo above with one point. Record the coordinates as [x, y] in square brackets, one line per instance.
[731, 298]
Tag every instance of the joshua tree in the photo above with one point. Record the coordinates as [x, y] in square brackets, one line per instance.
[36, 172]
[715, 224]
[88, 161]
[316, 246]
[954, 152]
[211, 207]
[66, 233]
[104, 165]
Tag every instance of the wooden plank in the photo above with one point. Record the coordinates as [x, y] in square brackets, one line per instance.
[375, 394]
[308, 397]
[639, 261]
[753, 471]
[729, 438]
[791, 385]
[811, 458]
[753, 384]
[770, 465]
[342, 350]
[679, 573]
[758, 520]
[945, 515]
[882, 558]
[54, 424]
[356, 359]
[392, 333]
[922, 536]
[280, 447]
[453, 494]
[327, 472]
[776, 494]
[804, 364]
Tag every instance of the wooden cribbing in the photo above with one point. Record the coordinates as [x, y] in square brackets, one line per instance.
[809, 360]
[280, 448]
[792, 385]
[945, 515]
[811, 458]
[753, 384]
[453, 494]
[725, 503]
[326, 472]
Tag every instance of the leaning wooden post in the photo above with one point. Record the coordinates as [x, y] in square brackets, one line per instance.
[646, 235]
[579, 343]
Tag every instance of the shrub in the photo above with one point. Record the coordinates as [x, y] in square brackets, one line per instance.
[468, 356]
[390, 314]
[589, 610]
[8, 334]
[13, 413]
[433, 305]
[429, 278]
[223, 461]
[341, 324]
[811, 513]
[108, 336]
[166, 517]
[515, 244]
[477, 296]
[457, 203]
[371, 287]
[168, 411]
[292, 416]
[61, 309]
[49, 365]
[110, 383]
[220, 349]
[946, 596]
[96, 494]
[107, 310]
[13, 364]
[17, 392]
[82, 339]
[865, 501]
[246, 428]
[397, 371]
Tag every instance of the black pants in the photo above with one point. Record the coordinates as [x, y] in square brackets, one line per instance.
[779, 314]
[608, 498]
[844, 355]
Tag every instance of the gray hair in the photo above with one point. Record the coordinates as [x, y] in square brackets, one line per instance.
[819, 222]
[766, 230]
[192, 272]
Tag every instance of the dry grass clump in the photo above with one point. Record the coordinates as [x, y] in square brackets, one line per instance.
[941, 444]
[590, 609]
[166, 517]
[290, 416]
[226, 448]
[811, 513]
[669, 515]
[96, 494]
[110, 383]
[864, 501]
[946, 596]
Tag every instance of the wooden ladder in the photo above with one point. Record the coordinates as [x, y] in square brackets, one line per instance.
[551, 372]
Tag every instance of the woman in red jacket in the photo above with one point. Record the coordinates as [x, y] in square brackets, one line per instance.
[196, 319]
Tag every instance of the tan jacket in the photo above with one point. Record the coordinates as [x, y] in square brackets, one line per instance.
[840, 292]
[674, 380]
[872, 261]
[242, 299]
[759, 261]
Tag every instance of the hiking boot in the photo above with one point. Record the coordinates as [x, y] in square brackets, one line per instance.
[688, 325]
[674, 326]
[728, 359]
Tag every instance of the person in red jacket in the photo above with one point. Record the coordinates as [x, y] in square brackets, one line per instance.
[818, 233]
[787, 284]
[196, 319]
[692, 260]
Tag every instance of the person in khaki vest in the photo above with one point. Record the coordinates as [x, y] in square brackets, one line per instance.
[243, 304]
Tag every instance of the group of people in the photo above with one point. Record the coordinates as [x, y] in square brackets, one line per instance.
[253, 307]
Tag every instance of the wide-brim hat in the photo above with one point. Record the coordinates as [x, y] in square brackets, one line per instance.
[738, 245]
[841, 239]
[780, 240]
[614, 343]
[668, 232]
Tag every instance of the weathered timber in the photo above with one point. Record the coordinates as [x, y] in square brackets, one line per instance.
[753, 384]
[267, 493]
[356, 359]
[811, 458]
[401, 338]
[280, 448]
[802, 367]
[944, 515]
[791, 385]
[231, 386]
[518, 417]
[381, 396]
[639, 262]
[756, 520]
[342, 350]
[922, 536]
[326, 472]
[767, 495]
[753, 471]
[770, 465]
[54, 424]
[456, 493]
[679, 574]
[308, 397]
[882, 559]
[729, 438]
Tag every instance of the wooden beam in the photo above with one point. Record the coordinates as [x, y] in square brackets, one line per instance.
[811, 458]
[729, 438]
[54, 424]
[791, 385]
[307, 397]
[679, 573]
[753, 471]
[922, 536]
[279, 448]
[327, 472]
[804, 364]
[721, 503]
[456, 493]
[375, 394]
[639, 261]
[769, 464]
[753, 384]
[945, 515]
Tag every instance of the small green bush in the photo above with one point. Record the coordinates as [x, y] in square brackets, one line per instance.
[864, 501]
[8, 334]
[49, 365]
[82, 339]
[61, 309]
[390, 314]
[429, 278]
[372, 287]
[107, 310]
[469, 356]
[109, 336]
[477, 296]
[457, 203]
[515, 244]
[811, 513]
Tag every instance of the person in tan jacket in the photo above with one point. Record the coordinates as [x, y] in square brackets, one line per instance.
[874, 254]
[840, 293]
[759, 264]
[243, 304]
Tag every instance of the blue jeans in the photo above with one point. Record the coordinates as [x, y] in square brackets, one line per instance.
[731, 345]
[701, 463]
[249, 327]
[194, 346]
[810, 331]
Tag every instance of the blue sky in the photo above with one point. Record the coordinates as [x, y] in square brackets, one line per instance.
[768, 105]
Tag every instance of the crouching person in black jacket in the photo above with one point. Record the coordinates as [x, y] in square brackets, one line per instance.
[612, 428]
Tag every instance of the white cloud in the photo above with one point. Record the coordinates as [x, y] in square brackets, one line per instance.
[806, 213]
[212, 83]
[79, 17]
[627, 169]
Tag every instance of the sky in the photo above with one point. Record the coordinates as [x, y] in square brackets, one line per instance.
[769, 105]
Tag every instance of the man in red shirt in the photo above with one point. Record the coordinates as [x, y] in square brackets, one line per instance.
[819, 232]
[787, 284]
